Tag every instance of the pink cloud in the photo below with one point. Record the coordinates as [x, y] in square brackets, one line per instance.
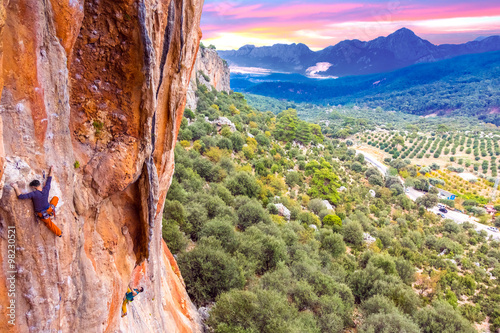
[462, 10]
[228, 9]
[278, 12]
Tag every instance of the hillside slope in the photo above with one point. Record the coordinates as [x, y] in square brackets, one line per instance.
[278, 228]
[97, 89]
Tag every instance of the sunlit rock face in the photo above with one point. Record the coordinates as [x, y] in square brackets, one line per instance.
[97, 89]
[209, 66]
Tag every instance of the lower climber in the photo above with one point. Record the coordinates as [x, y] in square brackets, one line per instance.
[129, 297]
[40, 197]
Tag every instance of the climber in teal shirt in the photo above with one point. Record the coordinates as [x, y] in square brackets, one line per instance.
[129, 297]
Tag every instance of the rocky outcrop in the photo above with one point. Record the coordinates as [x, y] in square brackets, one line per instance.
[97, 89]
[222, 121]
[211, 71]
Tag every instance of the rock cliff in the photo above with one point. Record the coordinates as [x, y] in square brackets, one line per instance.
[210, 70]
[97, 89]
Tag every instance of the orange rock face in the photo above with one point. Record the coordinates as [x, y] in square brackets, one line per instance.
[97, 89]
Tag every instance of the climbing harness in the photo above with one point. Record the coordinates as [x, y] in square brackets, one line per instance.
[45, 214]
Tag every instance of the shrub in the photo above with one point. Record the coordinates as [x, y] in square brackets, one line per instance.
[272, 209]
[262, 140]
[378, 304]
[497, 221]
[376, 180]
[215, 154]
[332, 220]
[316, 206]
[425, 170]
[353, 233]
[185, 135]
[237, 140]
[406, 270]
[175, 211]
[436, 181]
[479, 211]
[196, 216]
[441, 317]
[450, 203]
[309, 218]
[208, 271]
[435, 166]
[428, 200]
[266, 311]
[293, 178]
[225, 143]
[389, 323]
[222, 230]
[356, 166]
[242, 183]
[173, 236]
[251, 213]
[333, 243]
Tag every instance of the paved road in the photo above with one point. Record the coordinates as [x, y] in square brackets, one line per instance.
[461, 218]
[414, 194]
[373, 161]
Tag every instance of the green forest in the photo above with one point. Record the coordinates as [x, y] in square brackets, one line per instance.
[344, 121]
[277, 227]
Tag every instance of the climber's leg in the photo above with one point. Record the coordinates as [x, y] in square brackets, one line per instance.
[125, 301]
[124, 307]
[48, 222]
[54, 201]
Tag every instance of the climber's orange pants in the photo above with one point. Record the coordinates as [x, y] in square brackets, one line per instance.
[48, 222]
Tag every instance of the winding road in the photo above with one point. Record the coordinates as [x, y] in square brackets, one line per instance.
[373, 161]
[414, 194]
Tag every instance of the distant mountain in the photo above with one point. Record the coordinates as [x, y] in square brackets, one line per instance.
[468, 85]
[354, 57]
[279, 57]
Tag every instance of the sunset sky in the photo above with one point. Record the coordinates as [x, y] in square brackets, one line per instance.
[320, 23]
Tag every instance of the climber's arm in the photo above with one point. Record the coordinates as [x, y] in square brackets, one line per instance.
[46, 187]
[132, 290]
[19, 194]
[16, 189]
